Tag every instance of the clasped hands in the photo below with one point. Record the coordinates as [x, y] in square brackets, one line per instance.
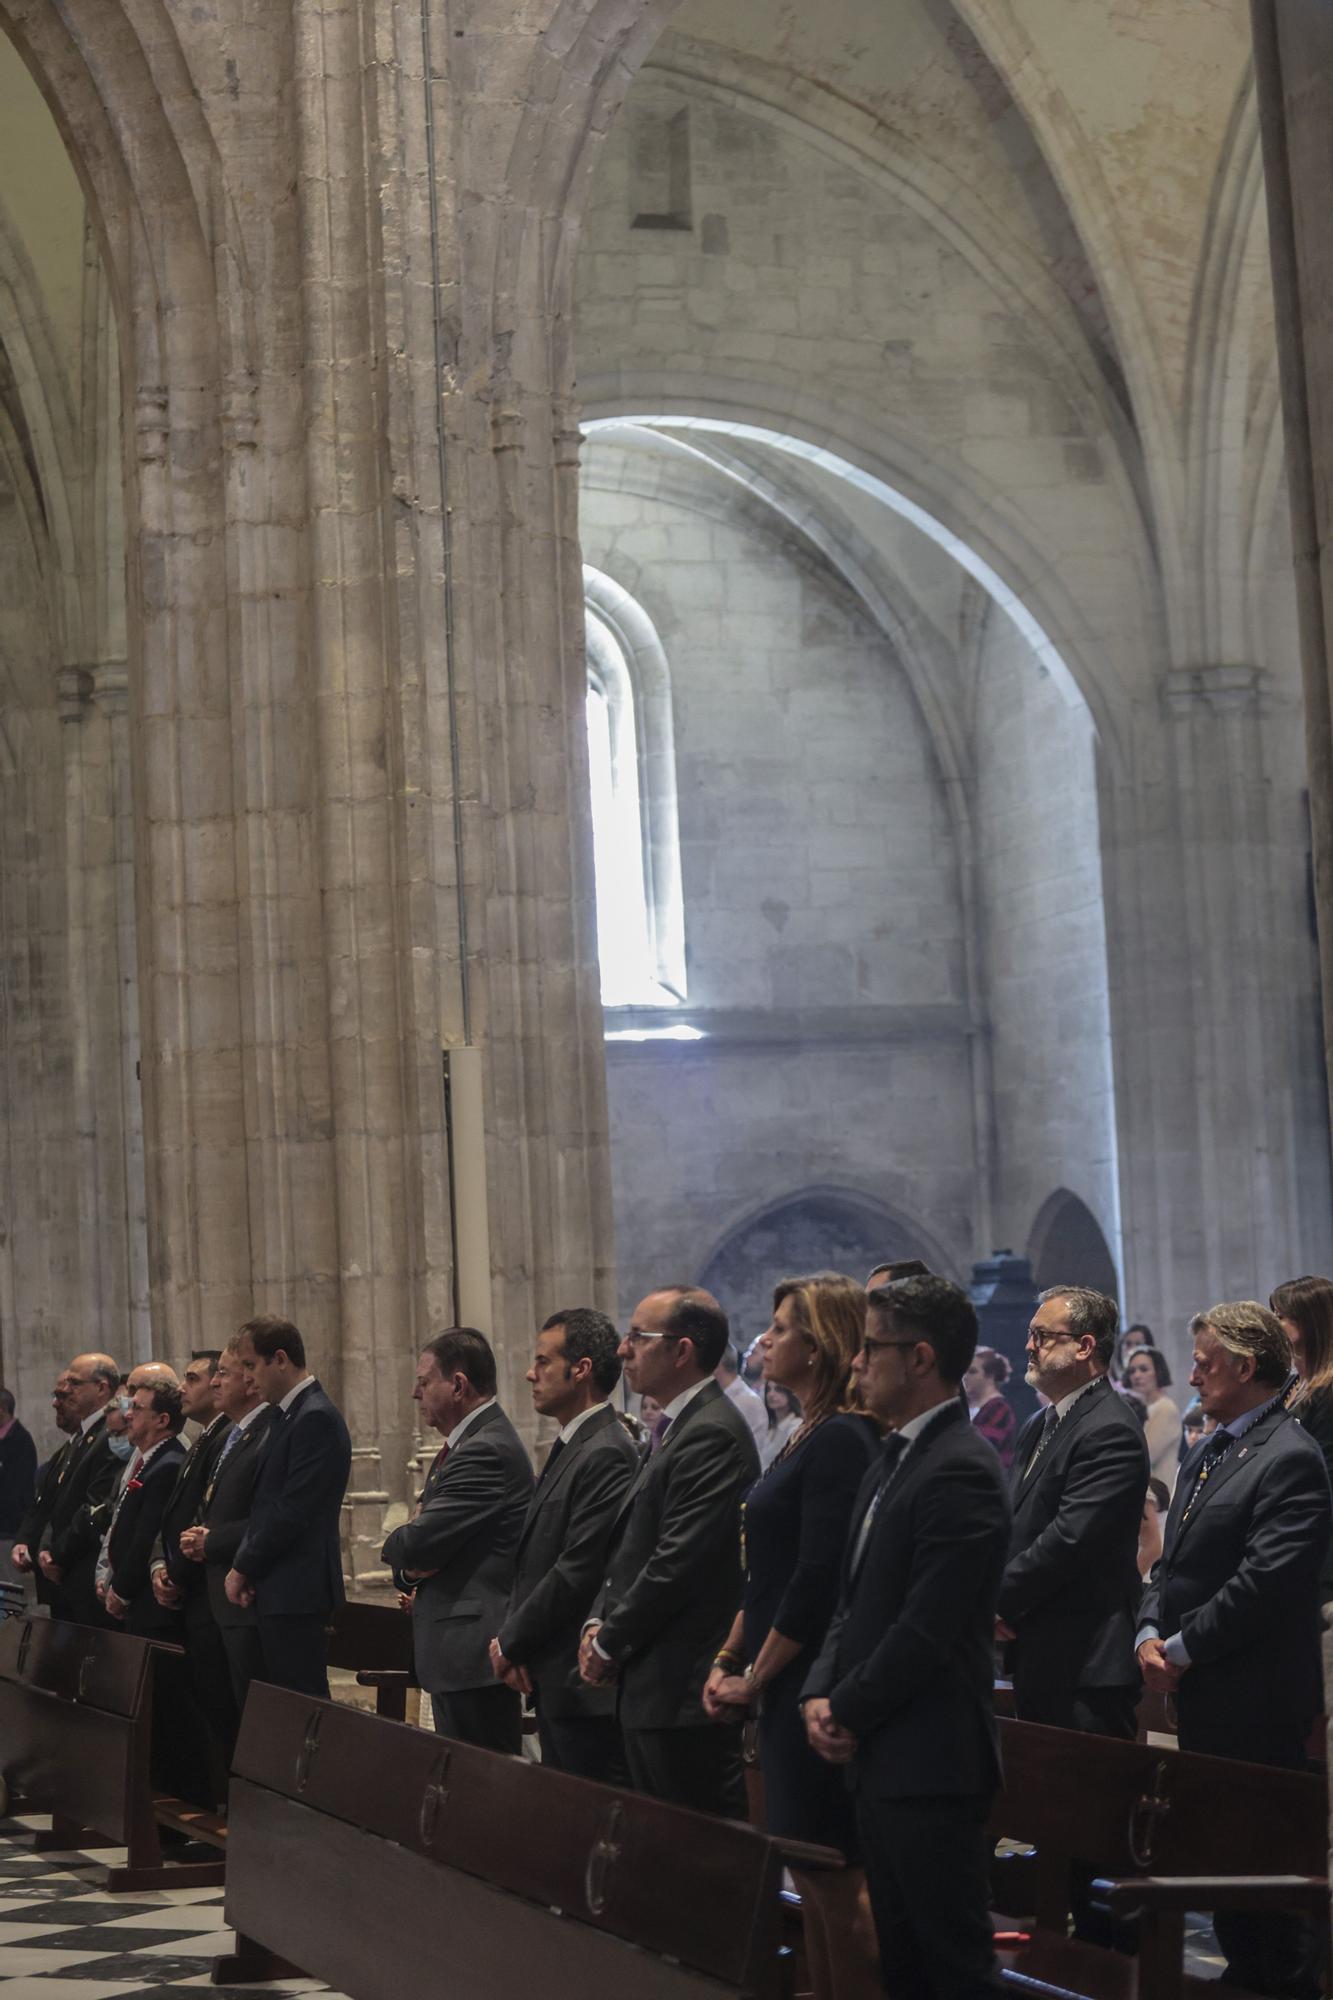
[515, 1677]
[592, 1667]
[240, 1591]
[827, 1738]
[724, 1694]
[1159, 1672]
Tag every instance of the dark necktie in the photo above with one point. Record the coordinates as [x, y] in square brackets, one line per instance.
[1218, 1447]
[1048, 1431]
[551, 1457]
[660, 1429]
[890, 1452]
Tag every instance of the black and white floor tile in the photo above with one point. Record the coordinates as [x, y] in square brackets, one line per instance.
[64, 1938]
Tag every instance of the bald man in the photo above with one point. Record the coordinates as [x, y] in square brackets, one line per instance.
[91, 1471]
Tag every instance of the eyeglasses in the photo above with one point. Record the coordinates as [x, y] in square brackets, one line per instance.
[1038, 1337]
[869, 1347]
[637, 1335]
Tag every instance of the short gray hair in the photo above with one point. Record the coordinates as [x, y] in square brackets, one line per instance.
[1245, 1328]
[1089, 1312]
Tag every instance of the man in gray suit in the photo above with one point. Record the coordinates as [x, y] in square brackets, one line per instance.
[456, 1555]
[674, 1577]
[562, 1549]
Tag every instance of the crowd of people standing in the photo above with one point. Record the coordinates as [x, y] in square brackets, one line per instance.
[821, 1579]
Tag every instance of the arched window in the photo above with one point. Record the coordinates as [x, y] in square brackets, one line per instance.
[632, 777]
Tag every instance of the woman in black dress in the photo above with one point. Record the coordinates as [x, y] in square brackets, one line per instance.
[1305, 1308]
[795, 1525]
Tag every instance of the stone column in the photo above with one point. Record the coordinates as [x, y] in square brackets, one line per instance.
[1293, 49]
[103, 1000]
[1224, 1157]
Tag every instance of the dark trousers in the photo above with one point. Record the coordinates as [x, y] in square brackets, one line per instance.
[212, 1685]
[927, 1864]
[1092, 1712]
[296, 1651]
[181, 1762]
[696, 1767]
[1099, 1711]
[245, 1661]
[490, 1717]
[1267, 1954]
[587, 1746]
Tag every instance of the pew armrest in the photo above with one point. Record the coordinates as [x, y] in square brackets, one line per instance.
[1162, 1893]
[807, 1855]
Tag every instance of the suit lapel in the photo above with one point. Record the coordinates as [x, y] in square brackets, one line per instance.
[702, 1401]
[901, 1479]
[1240, 1455]
[546, 1486]
[1023, 1486]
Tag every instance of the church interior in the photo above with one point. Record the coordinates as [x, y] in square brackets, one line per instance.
[650, 642]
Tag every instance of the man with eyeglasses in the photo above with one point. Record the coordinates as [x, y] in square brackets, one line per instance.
[1071, 1588]
[674, 1574]
[902, 1690]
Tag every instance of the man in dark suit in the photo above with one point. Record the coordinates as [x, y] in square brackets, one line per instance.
[901, 1691]
[154, 1424]
[1229, 1622]
[178, 1584]
[89, 1471]
[223, 1517]
[34, 1530]
[673, 1576]
[289, 1564]
[1070, 1595]
[563, 1544]
[456, 1555]
[18, 1481]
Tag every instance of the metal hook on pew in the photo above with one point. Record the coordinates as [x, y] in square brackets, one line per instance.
[434, 1799]
[84, 1679]
[305, 1756]
[1143, 1817]
[605, 1853]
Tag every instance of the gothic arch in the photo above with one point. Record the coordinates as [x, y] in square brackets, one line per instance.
[1066, 1246]
[953, 506]
[815, 1228]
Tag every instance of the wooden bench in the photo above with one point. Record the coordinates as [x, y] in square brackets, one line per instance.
[360, 1850]
[374, 1641]
[1167, 1832]
[1155, 1716]
[76, 1719]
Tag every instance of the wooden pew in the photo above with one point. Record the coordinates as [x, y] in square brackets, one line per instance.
[374, 1641]
[1156, 1716]
[76, 1717]
[1169, 1832]
[360, 1850]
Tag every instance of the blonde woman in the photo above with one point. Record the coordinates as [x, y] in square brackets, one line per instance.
[796, 1521]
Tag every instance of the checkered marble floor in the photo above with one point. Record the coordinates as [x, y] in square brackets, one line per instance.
[63, 1938]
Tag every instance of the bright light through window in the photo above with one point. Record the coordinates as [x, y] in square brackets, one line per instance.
[622, 912]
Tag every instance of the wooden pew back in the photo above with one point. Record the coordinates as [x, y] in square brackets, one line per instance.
[73, 1722]
[413, 1845]
[1132, 1809]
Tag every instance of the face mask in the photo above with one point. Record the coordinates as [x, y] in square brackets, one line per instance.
[121, 1445]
